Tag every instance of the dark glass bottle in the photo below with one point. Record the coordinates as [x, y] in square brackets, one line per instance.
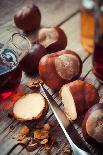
[10, 69]
[98, 44]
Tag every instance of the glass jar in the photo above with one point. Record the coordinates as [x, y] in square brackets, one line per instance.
[88, 24]
[98, 44]
[10, 70]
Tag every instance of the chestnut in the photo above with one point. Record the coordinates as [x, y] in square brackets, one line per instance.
[77, 97]
[53, 39]
[60, 68]
[92, 126]
[26, 108]
[30, 62]
[28, 18]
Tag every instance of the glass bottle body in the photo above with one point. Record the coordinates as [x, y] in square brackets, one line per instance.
[98, 59]
[87, 30]
[10, 69]
[88, 24]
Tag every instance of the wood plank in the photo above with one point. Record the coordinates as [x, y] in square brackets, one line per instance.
[87, 78]
[41, 152]
[5, 35]
[6, 139]
[54, 150]
[6, 136]
[91, 79]
[60, 142]
[87, 65]
[5, 121]
[53, 12]
[72, 30]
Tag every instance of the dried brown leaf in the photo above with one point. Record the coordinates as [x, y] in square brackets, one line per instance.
[24, 131]
[32, 146]
[67, 150]
[25, 141]
[53, 123]
[44, 141]
[34, 84]
[47, 147]
[51, 142]
[41, 134]
[47, 126]
[21, 137]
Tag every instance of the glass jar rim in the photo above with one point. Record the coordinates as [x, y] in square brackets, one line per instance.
[23, 37]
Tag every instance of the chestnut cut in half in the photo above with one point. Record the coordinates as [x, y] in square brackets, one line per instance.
[59, 68]
[77, 97]
[30, 107]
[92, 126]
[53, 39]
[28, 18]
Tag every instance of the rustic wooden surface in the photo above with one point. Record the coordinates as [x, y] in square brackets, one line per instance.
[56, 12]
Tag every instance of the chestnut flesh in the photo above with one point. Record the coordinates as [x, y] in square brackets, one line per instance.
[77, 97]
[27, 108]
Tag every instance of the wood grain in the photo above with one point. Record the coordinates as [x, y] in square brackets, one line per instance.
[53, 12]
[6, 138]
[72, 29]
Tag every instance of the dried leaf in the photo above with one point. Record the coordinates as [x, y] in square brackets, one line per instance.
[67, 150]
[33, 145]
[47, 126]
[25, 141]
[24, 131]
[51, 142]
[53, 123]
[21, 137]
[41, 134]
[44, 141]
[47, 147]
[34, 84]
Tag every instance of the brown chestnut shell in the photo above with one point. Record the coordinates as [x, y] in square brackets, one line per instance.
[53, 39]
[48, 72]
[87, 137]
[28, 18]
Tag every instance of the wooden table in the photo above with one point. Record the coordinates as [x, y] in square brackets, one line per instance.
[56, 12]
